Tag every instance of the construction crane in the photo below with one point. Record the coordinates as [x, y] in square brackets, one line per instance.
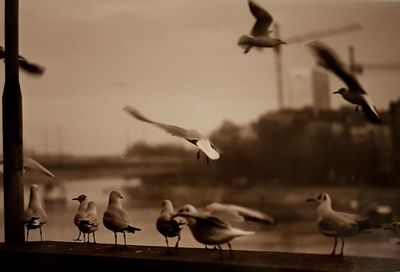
[358, 69]
[299, 39]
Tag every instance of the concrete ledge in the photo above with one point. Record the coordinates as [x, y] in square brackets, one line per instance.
[65, 256]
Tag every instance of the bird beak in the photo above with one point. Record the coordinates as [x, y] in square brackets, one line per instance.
[336, 92]
[75, 198]
[310, 200]
[284, 42]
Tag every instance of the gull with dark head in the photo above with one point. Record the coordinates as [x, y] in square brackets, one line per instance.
[116, 219]
[336, 224]
[354, 93]
[259, 35]
[80, 214]
[168, 226]
[34, 217]
[90, 223]
[193, 136]
[209, 230]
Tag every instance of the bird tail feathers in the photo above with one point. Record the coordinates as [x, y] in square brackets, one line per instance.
[132, 229]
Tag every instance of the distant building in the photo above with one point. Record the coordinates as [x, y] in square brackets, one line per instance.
[309, 88]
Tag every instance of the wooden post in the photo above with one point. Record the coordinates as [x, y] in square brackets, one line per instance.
[12, 131]
[278, 65]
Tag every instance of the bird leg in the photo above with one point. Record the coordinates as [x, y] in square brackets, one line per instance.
[198, 155]
[220, 252]
[27, 234]
[207, 159]
[94, 238]
[115, 238]
[41, 238]
[341, 250]
[230, 249]
[334, 246]
[124, 238]
[79, 237]
[177, 242]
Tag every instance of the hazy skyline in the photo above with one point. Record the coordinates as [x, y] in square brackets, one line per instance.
[178, 62]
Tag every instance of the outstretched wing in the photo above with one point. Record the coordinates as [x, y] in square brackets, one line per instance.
[174, 130]
[34, 165]
[370, 112]
[31, 68]
[204, 219]
[239, 213]
[263, 19]
[328, 59]
[30, 163]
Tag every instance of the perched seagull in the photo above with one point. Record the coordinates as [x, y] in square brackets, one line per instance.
[259, 35]
[80, 214]
[191, 135]
[231, 212]
[167, 226]
[34, 217]
[209, 230]
[339, 224]
[31, 68]
[31, 164]
[91, 222]
[354, 93]
[117, 219]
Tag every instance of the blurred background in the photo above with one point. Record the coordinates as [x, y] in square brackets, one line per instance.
[178, 62]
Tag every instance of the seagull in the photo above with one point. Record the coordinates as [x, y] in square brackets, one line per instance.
[232, 212]
[167, 226]
[81, 214]
[31, 164]
[259, 35]
[209, 230]
[117, 219]
[34, 217]
[191, 135]
[29, 67]
[91, 222]
[339, 224]
[354, 93]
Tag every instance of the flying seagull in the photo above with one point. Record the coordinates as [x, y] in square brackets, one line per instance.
[34, 217]
[336, 224]
[191, 135]
[259, 35]
[354, 93]
[210, 230]
[167, 226]
[29, 67]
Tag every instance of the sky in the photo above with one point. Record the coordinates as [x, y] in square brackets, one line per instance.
[178, 62]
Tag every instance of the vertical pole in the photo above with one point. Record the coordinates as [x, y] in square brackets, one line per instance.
[12, 131]
[278, 59]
